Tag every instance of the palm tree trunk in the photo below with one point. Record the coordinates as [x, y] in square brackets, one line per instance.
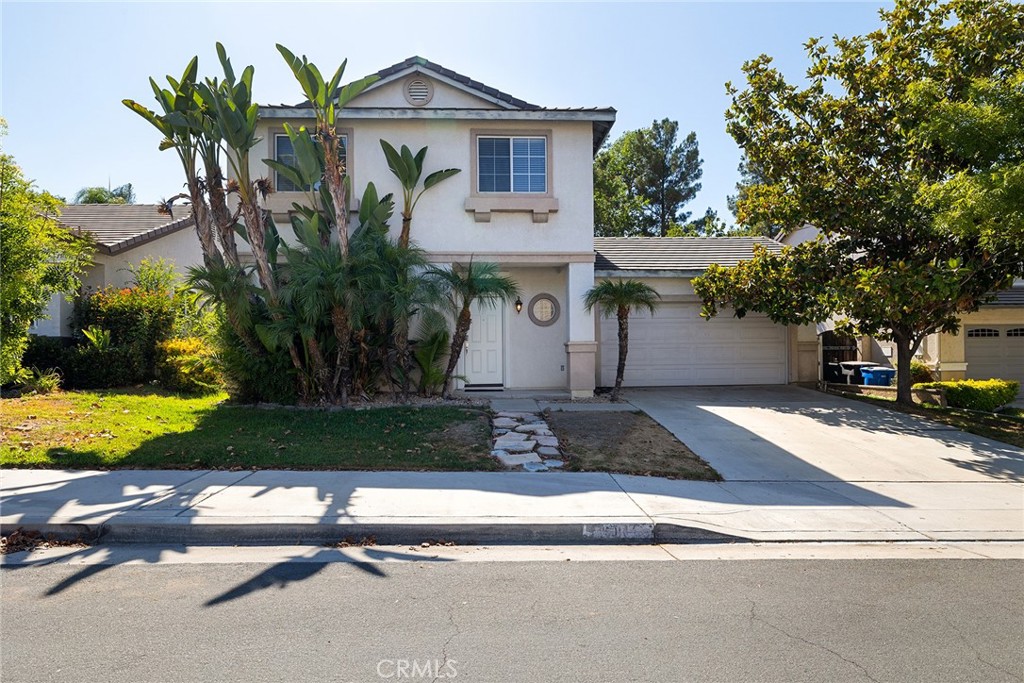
[458, 340]
[343, 337]
[403, 237]
[620, 370]
[204, 225]
[222, 215]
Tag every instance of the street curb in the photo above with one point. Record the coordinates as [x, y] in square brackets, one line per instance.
[600, 533]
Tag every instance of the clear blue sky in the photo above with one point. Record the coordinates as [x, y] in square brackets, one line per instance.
[67, 66]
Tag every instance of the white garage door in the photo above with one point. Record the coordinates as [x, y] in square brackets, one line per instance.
[676, 347]
[995, 351]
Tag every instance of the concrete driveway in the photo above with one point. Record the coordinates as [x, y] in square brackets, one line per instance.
[801, 459]
[793, 434]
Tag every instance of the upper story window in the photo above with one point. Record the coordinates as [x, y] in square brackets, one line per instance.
[517, 164]
[285, 153]
[511, 173]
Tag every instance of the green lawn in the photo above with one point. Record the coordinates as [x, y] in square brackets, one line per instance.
[154, 429]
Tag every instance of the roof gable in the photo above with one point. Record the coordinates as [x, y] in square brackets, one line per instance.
[119, 227]
[399, 73]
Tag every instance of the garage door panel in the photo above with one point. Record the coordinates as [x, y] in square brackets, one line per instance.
[999, 354]
[676, 347]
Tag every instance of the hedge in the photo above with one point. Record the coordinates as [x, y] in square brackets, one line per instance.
[987, 395]
[187, 365]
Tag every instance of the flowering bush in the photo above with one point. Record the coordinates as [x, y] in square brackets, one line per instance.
[188, 365]
[137, 319]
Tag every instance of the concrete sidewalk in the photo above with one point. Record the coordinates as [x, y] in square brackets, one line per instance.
[174, 506]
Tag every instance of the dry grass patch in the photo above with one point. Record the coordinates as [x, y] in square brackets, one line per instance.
[625, 443]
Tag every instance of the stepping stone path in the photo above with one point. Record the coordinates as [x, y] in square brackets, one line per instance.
[524, 440]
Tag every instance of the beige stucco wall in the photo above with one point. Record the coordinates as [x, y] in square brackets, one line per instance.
[181, 249]
[535, 355]
[441, 222]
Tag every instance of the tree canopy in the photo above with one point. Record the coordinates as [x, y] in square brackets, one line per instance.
[124, 194]
[906, 149]
[643, 180]
[39, 258]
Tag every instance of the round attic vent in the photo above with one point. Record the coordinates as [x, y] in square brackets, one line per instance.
[418, 91]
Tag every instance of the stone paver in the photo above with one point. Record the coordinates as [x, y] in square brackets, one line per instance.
[517, 432]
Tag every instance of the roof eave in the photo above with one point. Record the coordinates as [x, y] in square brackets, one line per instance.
[652, 273]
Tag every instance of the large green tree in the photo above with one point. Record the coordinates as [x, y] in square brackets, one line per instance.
[905, 147]
[38, 259]
[643, 180]
[750, 176]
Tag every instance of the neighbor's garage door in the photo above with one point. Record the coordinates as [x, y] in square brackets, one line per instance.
[995, 351]
[676, 347]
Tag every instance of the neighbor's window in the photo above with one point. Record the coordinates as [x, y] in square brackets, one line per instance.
[285, 153]
[512, 164]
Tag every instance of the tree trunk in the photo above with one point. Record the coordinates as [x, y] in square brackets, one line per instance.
[222, 215]
[204, 225]
[904, 354]
[343, 337]
[620, 370]
[334, 174]
[458, 340]
[403, 237]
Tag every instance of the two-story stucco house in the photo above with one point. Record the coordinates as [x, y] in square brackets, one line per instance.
[524, 199]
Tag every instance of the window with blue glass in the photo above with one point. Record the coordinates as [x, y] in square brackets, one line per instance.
[512, 164]
[285, 153]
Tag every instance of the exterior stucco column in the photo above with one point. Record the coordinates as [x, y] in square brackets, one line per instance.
[581, 349]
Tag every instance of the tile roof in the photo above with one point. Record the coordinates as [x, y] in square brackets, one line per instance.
[675, 253]
[118, 227]
[458, 78]
[601, 125]
[1009, 297]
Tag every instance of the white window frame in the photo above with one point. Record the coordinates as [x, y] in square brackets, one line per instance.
[512, 164]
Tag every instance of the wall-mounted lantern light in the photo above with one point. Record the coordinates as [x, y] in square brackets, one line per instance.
[519, 305]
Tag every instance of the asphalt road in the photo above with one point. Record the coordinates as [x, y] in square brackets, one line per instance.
[730, 621]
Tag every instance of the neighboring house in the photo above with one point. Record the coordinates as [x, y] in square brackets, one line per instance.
[675, 346]
[524, 199]
[124, 235]
[990, 342]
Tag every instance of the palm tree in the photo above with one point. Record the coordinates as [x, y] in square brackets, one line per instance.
[462, 286]
[619, 298]
[124, 194]
[408, 168]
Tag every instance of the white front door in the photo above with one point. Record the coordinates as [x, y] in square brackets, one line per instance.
[483, 356]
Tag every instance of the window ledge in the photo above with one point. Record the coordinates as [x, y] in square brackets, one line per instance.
[483, 206]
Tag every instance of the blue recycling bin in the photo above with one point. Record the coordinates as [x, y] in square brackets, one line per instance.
[878, 377]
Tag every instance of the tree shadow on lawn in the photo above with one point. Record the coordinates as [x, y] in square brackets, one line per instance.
[181, 500]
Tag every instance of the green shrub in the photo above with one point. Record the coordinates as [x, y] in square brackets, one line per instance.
[254, 378]
[187, 365]
[920, 373]
[47, 353]
[89, 367]
[38, 381]
[976, 394]
[136, 319]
